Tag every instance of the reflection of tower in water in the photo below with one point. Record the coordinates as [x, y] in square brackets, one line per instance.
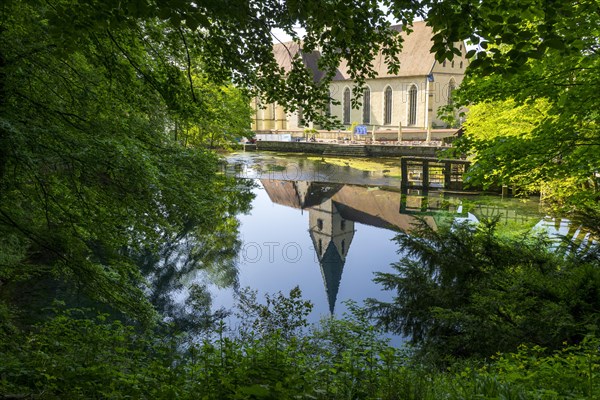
[331, 235]
[333, 211]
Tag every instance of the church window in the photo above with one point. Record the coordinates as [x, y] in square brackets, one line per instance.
[451, 87]
[387, 111]
[412, 105]
[367, 106]
[347, 106]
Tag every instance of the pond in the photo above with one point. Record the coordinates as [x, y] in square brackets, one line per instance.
[327, 225]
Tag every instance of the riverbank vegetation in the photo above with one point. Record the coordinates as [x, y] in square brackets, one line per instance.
[77, 356]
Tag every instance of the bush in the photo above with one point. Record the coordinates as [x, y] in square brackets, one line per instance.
[465, 291]
[78, 356]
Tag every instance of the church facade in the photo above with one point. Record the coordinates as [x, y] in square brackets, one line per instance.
[410, 99]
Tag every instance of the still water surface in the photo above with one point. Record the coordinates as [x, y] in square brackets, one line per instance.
[328, 225]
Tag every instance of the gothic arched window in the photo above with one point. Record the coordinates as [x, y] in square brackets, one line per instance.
[387, 110]
[367, 106]
[347, 106]
[412, 105]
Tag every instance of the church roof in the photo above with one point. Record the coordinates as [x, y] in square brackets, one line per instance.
[282, 192]
[415, 59]
[286, 192]
[285, 52]
[380, 208]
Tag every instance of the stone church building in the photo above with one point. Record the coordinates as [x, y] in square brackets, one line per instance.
[410, 99]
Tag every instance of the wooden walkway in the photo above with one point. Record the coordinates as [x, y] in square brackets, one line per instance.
[432, 173]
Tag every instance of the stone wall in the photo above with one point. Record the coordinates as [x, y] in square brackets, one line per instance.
[292, 147]
[371, 150]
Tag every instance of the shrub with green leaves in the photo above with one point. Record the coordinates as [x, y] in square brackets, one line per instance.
[77, 355]
[465, 291]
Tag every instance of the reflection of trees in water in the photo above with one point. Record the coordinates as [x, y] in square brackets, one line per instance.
[177, 267]
[180, 271]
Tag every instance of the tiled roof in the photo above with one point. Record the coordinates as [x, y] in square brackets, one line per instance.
[285, 52]
[416, 58]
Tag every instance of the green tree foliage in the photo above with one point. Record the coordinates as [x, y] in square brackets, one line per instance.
[464, 291]
[536, 57]
[496, 129]
[91, 172]
[285, 315]
[223, 116]
[232, 42]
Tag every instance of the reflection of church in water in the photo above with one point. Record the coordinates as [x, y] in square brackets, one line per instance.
[333, 210]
